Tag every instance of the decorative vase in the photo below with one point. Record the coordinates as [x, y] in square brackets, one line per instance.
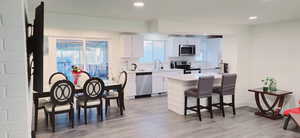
[76, 76]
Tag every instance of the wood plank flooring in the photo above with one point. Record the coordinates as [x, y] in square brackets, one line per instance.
[150, 118]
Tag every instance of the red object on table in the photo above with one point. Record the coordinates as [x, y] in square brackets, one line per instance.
[76, 76]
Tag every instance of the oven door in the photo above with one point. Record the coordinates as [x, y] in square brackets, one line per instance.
[186, 50]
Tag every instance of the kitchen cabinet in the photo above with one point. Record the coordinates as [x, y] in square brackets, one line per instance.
[130, 88]
[160, 82]
[133, 46]
[157, 82]
[172, 48]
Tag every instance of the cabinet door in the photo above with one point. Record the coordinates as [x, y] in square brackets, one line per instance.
[126, 42]
[137, 46]
[157, 83]
[130, 89]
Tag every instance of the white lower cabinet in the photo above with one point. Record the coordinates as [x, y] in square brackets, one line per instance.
[160, 82]
[157, 82]
[130, 89]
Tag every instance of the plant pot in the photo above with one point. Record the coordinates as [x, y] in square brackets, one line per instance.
[265, 89]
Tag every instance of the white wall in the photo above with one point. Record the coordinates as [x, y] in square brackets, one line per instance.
[275, 52]
[15, 98]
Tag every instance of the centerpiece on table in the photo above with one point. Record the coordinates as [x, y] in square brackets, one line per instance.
[269, 84]
[76, 71]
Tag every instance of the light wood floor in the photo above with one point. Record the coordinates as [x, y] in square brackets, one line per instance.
[150, 118]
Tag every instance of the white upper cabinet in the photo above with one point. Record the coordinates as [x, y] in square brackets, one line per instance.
[133, 46]
[137, 46]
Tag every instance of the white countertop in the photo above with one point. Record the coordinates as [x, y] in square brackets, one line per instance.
[154, 71]
[192, 77]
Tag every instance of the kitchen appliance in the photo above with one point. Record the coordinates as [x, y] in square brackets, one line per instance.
[223, 67]
[172, 65]
[133, 67]
[143, 84]
[186, 67]
[187, 50]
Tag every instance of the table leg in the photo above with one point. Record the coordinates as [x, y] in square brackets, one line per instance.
[258, 103]
[36, 104]
[121, 100]
[281, 101]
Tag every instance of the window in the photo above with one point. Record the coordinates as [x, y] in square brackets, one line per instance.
[209, 52]
[90, 55]
[154, 51]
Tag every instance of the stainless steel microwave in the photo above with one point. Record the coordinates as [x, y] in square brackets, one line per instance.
[187, 50]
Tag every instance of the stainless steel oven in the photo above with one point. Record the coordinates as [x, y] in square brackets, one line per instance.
[187, 50]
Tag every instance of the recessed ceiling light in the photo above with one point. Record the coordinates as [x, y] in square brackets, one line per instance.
[252, 18]
[138, 4]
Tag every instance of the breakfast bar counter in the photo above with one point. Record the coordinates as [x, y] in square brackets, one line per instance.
[177, 84]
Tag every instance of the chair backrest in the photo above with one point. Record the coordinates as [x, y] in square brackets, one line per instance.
[123, 79]
[205, 85]
[57, 76]
[84, 76]
[228, 84]
[62, 92]
[93, 88]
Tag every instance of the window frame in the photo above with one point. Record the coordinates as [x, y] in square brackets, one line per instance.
[53, 47]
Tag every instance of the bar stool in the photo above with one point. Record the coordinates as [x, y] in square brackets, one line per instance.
[204, 90]
[227, 88]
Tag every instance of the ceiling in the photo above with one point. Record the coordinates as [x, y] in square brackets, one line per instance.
[202, 11]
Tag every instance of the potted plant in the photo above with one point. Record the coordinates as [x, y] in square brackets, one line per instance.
[269, 84]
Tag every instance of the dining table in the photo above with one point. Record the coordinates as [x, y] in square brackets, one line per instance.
[108, 85]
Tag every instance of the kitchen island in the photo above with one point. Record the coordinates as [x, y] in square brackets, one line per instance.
[177, 84]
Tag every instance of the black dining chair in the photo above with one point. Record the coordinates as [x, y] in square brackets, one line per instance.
[61, 101]
[227, 88]
[92, 97]
[114, 95]
[204, 90]
[84, 76]
[57, 76]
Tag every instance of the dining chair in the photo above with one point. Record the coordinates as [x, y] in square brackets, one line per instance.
[55, 77]
[61, 101]
[92, 97]
[114, 95]
[204, 90]
[227, 88]
[84, 76]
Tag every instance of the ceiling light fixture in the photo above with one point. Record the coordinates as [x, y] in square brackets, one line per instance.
[138, 4]
[252, 18]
